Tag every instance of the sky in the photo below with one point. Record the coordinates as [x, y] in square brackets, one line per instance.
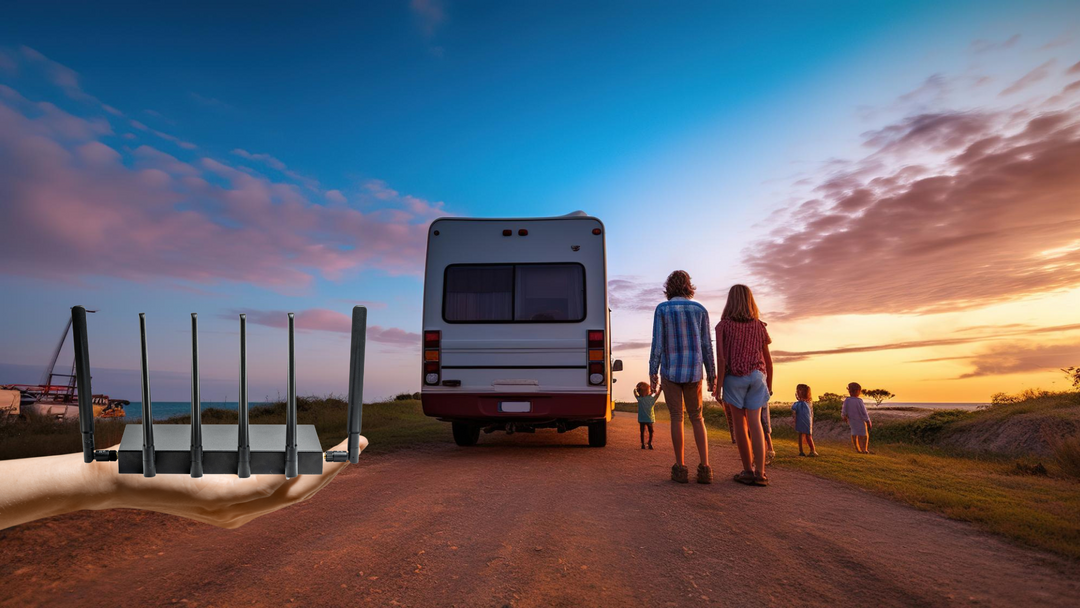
[897, 182]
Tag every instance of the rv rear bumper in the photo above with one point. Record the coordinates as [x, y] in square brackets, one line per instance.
[542, 406]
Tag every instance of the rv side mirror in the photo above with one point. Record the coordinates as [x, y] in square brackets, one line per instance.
[616, 365]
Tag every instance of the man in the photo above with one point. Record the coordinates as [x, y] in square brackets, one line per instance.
[681, 344]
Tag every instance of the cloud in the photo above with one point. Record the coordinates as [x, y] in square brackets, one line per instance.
[985, 46]
[321, 319]
[277, 165]
[172, 138]
[631, 293]
[950, 210]
[1075, 69]
[1023, 357]
[1039, 73]
[429, 13]
[209, 102]
[786, 356]
[147, 216]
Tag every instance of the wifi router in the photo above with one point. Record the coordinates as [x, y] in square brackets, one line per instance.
[238, 449]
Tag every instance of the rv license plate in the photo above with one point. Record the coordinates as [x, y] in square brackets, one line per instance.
[515, 407]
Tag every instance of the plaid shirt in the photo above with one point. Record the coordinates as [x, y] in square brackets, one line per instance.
[681, 341]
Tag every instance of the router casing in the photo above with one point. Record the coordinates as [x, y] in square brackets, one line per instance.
[172, 447]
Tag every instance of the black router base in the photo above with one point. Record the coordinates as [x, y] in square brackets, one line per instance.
[172, 449]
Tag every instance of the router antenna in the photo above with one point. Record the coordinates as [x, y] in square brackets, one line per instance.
[196, 402]
[149, 468]
[86, 394]
[356, 380]
[356, 387]
[243, 435]
[290, 410]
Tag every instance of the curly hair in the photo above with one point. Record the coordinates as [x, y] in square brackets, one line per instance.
[678, 285]
[642, 389]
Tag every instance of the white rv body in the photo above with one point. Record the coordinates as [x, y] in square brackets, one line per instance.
[509, 305]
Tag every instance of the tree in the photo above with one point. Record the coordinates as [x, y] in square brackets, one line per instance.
[879, 395]
[828, 399]
[1073, 374]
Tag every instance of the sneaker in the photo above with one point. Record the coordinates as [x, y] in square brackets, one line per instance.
[704, 474]
[679, 473]
[769, 456]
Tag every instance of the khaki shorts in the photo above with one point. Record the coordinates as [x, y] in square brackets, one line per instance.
[682, 394]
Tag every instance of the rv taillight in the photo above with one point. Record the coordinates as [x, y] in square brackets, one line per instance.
[596, 338]
[595, 353]
[523, 232]
[432, 344]
[431, 339]
[508, 232]
[594, 231]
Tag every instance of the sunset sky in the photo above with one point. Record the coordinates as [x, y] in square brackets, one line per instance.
[898, 182]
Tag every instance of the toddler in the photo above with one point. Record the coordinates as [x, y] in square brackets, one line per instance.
[645, 416]
[854, 413]
[803, 411]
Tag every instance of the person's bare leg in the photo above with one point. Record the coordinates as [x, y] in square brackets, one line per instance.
[642, 425]
[701, 438]
[650, 425]
[866, 442]
[757, 441]
[855, 443]
[673, 395]
[768, 433]
[730, 421]
[810, 442]
[742, 440]
[800, 443]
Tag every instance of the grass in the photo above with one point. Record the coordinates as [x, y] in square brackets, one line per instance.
[388, 426]
[1024, 500]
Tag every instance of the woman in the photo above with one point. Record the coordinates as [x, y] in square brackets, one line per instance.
[744, 381]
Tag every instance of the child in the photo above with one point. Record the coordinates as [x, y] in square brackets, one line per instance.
[803, 411]
[854, 413]
[645, 416]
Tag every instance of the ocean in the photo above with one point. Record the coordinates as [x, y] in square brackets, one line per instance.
[168, 409]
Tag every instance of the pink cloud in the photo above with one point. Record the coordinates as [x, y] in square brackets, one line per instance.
[1075, 69]
[1030, 78]
[983, 46]
[150, 216]
[996, 219]
[321, 319]
[1024, 357]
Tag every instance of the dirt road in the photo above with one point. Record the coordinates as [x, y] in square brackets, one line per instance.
[537, 521]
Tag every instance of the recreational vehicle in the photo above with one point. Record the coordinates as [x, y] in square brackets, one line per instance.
[517, 332]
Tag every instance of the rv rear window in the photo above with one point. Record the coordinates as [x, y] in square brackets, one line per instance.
[514, 293]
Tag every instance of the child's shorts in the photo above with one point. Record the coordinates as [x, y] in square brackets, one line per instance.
[746, 392]
[858, 427]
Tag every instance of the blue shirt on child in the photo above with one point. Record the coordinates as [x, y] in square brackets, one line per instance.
[645, 405]
[804, 417]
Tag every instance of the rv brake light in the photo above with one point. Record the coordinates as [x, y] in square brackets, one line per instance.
[594, 231]
[523, 232]
[432, 345]
[508, 232]
[595, 347]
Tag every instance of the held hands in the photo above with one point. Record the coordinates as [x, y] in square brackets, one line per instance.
[654, 383]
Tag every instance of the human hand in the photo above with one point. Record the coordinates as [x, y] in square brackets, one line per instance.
[54, 485]
[654, 383]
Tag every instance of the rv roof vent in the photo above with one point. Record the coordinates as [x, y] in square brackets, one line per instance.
[578, 213]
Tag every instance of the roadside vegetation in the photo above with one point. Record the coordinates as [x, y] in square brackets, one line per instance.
[388, 425]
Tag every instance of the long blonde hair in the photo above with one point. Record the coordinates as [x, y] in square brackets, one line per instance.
[740, 305]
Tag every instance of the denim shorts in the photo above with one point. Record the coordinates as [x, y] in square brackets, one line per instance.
[746, 392]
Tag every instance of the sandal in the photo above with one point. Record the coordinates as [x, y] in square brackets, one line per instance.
[761, 481]
[680, 474]
[704, 474]
[769, 456]
[744, 477]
